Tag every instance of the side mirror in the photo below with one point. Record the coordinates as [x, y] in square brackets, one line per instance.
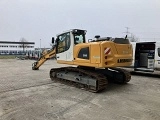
[52, 39]
[125, 37]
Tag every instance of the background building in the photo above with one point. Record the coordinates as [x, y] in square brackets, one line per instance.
[9, 49]
[15, 48]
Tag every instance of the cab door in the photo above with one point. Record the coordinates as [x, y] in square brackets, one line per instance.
[64, 49]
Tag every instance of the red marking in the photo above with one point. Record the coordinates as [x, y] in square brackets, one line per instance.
[107, 51]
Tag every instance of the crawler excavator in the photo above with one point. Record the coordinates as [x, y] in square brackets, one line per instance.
[97, 61]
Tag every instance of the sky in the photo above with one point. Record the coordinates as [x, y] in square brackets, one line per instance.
[40, 20]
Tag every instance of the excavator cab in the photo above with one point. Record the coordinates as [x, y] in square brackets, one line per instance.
[65, 44]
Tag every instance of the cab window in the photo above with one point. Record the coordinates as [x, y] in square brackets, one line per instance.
[63, 42]
[79, 37]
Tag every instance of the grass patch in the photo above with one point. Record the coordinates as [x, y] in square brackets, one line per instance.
[7, 56]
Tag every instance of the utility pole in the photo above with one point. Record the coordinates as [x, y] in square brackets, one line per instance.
[127, 31]
[40, 43]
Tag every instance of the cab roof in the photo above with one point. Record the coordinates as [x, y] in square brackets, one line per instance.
[69, 31]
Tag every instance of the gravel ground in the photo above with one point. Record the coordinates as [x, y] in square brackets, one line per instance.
[31, 95]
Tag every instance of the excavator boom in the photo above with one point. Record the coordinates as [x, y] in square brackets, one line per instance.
[45, 56]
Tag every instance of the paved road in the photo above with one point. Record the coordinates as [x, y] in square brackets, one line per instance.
[31, 95]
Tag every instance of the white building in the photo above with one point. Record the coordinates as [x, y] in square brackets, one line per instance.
[15, 48]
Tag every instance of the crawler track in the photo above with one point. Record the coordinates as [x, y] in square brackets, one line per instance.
[89, 80]
[126, 75]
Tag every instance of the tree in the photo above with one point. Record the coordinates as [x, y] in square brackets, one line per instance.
[23, 45]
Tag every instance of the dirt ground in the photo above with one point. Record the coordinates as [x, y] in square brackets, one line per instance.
[31, 95]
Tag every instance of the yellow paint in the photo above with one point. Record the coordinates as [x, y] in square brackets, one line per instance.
[97, 55]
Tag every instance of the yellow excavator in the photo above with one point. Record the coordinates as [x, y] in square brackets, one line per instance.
[97, 61]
